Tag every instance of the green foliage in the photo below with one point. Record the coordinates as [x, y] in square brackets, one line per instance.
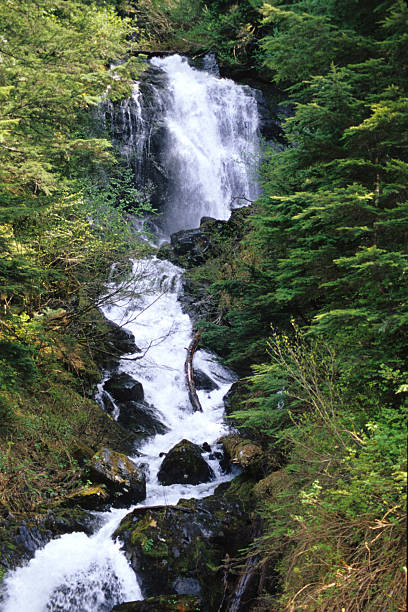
[16, 362]
[342, 508]
[64, 220]
[52, 71]
[326, 245]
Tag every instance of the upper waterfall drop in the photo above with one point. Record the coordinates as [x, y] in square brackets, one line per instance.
[211, 146]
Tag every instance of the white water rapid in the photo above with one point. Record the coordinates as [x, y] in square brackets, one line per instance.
[213, 128]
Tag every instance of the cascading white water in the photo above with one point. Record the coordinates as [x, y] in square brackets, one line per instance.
[213, 123]
[75, 573]
[212, 145]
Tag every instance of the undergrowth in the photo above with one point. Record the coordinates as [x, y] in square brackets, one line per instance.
[336, 515]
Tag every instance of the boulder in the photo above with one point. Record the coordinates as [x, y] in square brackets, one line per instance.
[120, 339]
[165, 603]
[89, 497]
[135, 415]
[203, 382]
[189, 247]
[140, 418]
[122, 387]
[245, 453]
[185, 549]
[125, 481]
[184, 464]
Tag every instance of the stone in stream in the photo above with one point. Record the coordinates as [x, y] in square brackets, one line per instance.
[135, 415]
[184, 464]
[120, 339]
[165, 603]
[140, 418]
[123, 387]
[185, 549]
[202, 381]
[125, 481]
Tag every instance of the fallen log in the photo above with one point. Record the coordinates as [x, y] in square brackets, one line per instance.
[188, 369]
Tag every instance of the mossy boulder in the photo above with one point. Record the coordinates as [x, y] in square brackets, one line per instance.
[89, 497]
[184, 464]
[125, 481]
[189, 247]
[164, 603]
[244, 453]
[122, 387]
[185, 549]
[273, 485]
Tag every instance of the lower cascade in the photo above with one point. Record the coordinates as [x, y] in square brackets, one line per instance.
[82, 573]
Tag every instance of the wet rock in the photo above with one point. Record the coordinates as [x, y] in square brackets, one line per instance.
[123, 387]
[107, 402]
[142, 142]
[125, 481]
[203, 382]
[181, 549]
[165, 603]
[190, 246]
[196, 300]
[137, 417]
[113, 434]
[184, 464]
[245, 453]
[140, 418]
[206, 448]
[269, 124]
[121, 340]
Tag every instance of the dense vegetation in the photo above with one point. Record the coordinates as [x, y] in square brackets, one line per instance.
[63, 222]
[310, 306]
[316, 296]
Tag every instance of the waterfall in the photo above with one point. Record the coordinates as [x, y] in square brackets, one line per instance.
[192, 138]
[208, 148]
[211, 145]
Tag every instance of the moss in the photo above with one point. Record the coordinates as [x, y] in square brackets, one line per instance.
[188, 542]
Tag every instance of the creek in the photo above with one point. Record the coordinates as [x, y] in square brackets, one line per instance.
[200, 134]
